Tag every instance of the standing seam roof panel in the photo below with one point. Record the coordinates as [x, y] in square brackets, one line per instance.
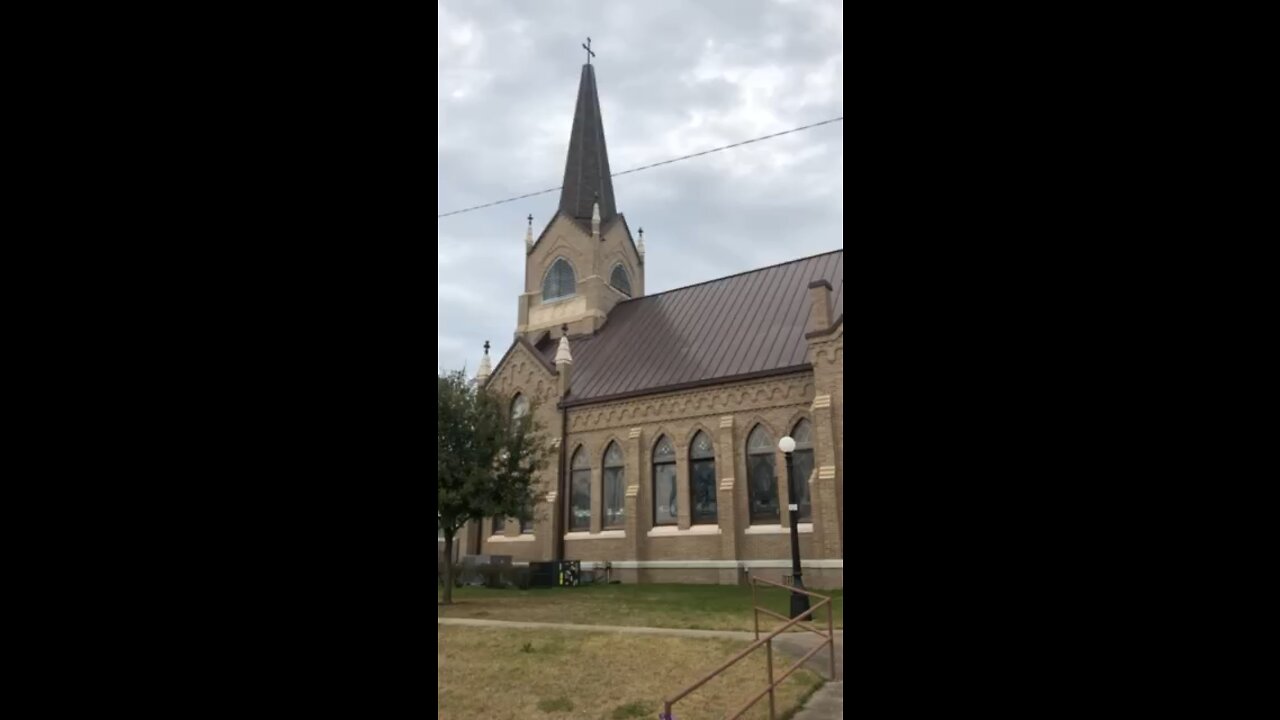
[784, 354]
[647, 356]
[675, 367]
[753, 298]
[755, 333]
[668, 311]
[748, 323]
[724, 346]
[787, 343]
[761, 331]
[717, 305]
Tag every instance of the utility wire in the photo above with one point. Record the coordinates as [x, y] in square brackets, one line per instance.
[650, 167]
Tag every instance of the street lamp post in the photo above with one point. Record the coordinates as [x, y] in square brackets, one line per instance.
[799, 601]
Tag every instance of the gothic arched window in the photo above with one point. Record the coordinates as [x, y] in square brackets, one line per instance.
[519, 407]
[580, 492]
[762, 482]
[802, 466]
[559, 282]
[619, 280]
[702, 480]
[665, 509]
[614, 487]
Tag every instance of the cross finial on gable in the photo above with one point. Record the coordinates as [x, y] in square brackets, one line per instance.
[486, 347]
[587, 46]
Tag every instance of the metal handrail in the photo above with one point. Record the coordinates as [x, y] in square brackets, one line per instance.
[780, 616]
[767, 642]
[788, 588]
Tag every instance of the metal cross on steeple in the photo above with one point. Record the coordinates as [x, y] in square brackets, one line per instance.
[587, 46]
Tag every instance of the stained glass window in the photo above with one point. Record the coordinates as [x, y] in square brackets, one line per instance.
[802, 466]
[620, 280]
[614, 487]
[702, 480]
[762, 482]
[580, 492]
[560, 282]
[665, 510]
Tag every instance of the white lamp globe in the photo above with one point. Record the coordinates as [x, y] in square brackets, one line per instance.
[787, 444]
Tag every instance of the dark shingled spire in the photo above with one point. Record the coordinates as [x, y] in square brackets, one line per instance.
[586, 174]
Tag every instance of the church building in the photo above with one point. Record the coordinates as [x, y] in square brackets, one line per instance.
[665, 411]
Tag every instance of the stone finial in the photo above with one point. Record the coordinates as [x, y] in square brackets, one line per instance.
[484, 371]
[640, 247]
[564, 362]
[595, 218]
[563, 356]
[528, 235]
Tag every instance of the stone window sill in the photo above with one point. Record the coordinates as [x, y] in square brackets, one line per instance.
[802, 528]
[605, 534]
[518, 538]
[673, 531]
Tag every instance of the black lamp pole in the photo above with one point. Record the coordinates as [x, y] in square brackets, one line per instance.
[799, 601]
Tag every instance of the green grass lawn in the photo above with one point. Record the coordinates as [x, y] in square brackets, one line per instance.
[559, 675]
[701, 607]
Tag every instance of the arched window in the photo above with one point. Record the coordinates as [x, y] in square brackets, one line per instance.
[500, 521]
[614, 489]
[619, 279]
[665, 510]
[519, 407]
[762, 483]
[580, 492]
[702, 480]
[802, 466]
[559, 282]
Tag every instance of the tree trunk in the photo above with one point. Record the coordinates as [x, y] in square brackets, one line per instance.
[448, 569]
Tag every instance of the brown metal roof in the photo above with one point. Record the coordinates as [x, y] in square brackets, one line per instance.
[736, 327]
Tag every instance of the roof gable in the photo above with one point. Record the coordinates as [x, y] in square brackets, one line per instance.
[521, 346]
[585, 227]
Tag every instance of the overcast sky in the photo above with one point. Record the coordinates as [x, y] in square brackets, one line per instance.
[675, 77]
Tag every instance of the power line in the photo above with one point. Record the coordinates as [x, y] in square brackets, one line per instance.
[650, 167]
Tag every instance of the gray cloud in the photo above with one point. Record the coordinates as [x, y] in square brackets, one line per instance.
[675, 77]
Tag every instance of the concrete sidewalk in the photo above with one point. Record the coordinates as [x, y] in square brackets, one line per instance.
[826, 704]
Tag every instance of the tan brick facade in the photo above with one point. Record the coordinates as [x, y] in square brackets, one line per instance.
[727, 413]
[826, 354]
[592, 262]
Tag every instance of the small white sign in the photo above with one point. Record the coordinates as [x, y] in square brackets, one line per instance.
[794, 508]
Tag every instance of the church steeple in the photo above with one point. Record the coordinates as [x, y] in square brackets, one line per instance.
[585, 262]
[586, 173]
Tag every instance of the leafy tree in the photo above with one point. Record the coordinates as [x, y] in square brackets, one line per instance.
[487, 461]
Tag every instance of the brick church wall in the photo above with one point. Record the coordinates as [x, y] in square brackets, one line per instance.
[727, 414]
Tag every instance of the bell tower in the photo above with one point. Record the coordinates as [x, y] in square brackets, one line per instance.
[585, 261]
